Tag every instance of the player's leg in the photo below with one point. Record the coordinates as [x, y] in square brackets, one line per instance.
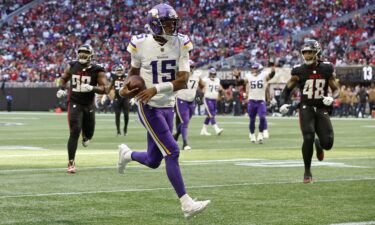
[182, 112]
[178, 108]
[126, 115]
[116, 108]
[208, 117]
[159, 124]
[190, 111]
[324, 131]
[262, 112]
[88, 124]
[75, 115]
[307, 124]
[213, 107]
[252, 112]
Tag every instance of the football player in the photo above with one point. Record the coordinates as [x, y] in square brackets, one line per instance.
[212, 87]
[86, 79]
[120, 104]
[185, 105]
[313, 78]
[161, 58]
[256, 83]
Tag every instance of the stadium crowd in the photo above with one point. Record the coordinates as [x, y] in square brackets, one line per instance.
[38, 43]
[7, 7]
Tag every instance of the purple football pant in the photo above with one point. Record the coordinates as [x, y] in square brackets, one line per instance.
[210, 105]
[254, 108]
[160, 144]
[185, 111]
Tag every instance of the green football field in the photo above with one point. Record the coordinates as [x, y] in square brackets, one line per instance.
[246, 183]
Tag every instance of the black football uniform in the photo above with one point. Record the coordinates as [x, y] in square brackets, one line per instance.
[81, 113]
[120, 104]
[314, 115]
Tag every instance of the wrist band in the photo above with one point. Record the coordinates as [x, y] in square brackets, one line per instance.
[164, 87]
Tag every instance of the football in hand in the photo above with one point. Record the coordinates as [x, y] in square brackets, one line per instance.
[136, 82]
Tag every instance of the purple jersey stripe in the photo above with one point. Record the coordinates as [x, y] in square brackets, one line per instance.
[133, 44]
[187, 42]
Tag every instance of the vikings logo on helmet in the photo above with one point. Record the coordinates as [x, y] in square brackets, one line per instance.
[162, 20]
[212, 73]
[311, 46]
[85, 54]
[256, 68]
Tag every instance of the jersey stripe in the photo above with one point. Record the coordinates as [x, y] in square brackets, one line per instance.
[160, 145]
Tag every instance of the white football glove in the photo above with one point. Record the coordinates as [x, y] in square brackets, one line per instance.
[284, 109]
[104, 99]
[327, 100]
[86, 88]
[132, 101]
[61, 93]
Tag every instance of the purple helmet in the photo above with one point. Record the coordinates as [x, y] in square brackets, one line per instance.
[256, 67]
[162, 19]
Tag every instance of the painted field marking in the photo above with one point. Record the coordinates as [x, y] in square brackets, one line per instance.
[14, 147]
[169, 188]
[295, 163]
[355, 223]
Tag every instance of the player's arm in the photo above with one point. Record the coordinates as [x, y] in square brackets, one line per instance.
[124, 91]
[332, 83]
[65, 78]
[201, 84]
[286, 94]
[272, 73]
[102, 87]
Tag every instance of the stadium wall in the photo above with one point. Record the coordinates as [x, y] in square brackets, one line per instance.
[29, 99]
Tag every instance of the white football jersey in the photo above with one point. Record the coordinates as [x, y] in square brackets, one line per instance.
[160, 63]
[257, 86]
[211, 88]
[189, 93]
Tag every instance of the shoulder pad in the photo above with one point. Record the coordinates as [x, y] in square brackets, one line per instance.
[135, 41]
[98, 68]
[186, 42]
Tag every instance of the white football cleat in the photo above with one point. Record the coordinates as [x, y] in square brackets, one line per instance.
[266, 134]
[260, 138]
[124, 157]
[205, 133]
[219, 131]
[252, 138]
[187, 147]
[193, 207]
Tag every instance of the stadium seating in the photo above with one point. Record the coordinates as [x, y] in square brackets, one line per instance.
[37, 45]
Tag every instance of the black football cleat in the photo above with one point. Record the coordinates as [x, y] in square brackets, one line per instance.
[319, 150]
[307, 178]
[85, 142]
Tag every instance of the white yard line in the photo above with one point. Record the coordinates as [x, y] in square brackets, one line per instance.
[168, 188]
[355, 223]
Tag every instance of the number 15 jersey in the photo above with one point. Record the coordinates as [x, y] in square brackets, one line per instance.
[313, 82]
[160, 64]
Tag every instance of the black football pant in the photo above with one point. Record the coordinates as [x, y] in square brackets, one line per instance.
[81, 119]
[314, 121]
[121, 105]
